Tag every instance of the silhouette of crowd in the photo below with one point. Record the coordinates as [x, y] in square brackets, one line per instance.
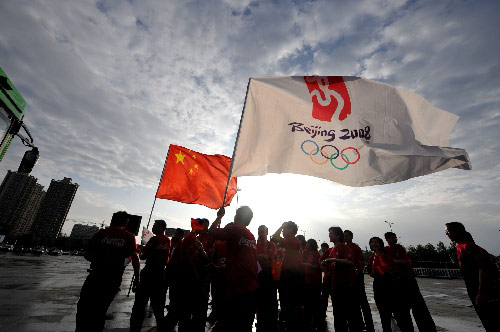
[282, 280]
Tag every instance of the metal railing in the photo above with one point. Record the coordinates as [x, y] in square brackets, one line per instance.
[438, 273]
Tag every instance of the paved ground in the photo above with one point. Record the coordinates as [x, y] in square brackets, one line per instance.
[40, 294]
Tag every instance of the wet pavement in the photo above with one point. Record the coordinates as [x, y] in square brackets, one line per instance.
[40, 294]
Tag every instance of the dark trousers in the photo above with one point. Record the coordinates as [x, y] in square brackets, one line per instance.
[291, 296]
[240, 312]
[152, 286]
[365, 306]
[267, 304]
[312, 298]
[172, 317]
[419, 309]
[391, 300]
[488, 314]
[192, 304]
[219, 303]
[95, 298]
[346, 313]
[325, 295]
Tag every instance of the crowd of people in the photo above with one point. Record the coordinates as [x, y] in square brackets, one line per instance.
[283, 280]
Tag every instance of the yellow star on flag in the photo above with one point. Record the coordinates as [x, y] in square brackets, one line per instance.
[191, 171]
[180, 157]
[194, 156]
[196, 166]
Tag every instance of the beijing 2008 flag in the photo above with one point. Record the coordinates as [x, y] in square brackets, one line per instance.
[350, 130]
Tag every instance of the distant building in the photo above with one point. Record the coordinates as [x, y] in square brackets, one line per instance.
[80, 231]
[20, 197]
[54, 209]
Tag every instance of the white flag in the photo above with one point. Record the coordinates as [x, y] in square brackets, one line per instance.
[349, 130]
[146, 235]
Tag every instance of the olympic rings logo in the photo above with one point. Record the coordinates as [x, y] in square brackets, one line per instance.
[332, 156]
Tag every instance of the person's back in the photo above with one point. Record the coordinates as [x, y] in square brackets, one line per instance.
[108, 252]
[153, 286]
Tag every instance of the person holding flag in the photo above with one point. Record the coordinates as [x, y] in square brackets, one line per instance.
[241, 267]
[153, 285]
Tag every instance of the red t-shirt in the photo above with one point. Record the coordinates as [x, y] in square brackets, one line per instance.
[208, 243]
[156, 252]
[358, 256]
[220, 254]
[313, 273]
[342, 274]
[293, 254]
[382, 264]
[267, 248]
[471, 258]
[241, 263]
[108, 250]
[398, 252]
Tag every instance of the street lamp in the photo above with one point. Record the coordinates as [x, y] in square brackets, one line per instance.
[390, 224]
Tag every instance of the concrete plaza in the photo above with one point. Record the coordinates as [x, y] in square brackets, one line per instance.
[40, 294]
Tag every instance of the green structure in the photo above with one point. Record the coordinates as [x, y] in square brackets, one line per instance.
[12, 107]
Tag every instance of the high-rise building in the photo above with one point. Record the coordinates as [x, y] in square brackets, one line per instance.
[80, 231]
[54, 208]
[20, 197]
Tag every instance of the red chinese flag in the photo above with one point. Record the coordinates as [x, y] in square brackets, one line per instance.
[195, 178]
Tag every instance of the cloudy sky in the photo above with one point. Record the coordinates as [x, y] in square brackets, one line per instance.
[110, 84]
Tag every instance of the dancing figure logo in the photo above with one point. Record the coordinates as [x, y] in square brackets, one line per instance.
[329, 96]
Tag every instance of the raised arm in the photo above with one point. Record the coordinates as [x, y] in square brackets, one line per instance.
[277, 235]
[216, 223]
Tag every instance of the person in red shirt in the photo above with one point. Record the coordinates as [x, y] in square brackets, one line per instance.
[107, 253]
[312, 294]
[152, 286]
[341, 264]
[218, 283]
[188, 272]
[241, 267]
[419, 309]
[205, 239]
[481, 276]
[267, 297]
[292, 275]
[360, 266]
[387, 289]
[325, 284]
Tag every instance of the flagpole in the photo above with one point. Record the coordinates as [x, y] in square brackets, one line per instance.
[158, 188]
[235, 143]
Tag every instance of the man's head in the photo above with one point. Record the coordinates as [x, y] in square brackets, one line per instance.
[178, 235]
[303, 241]
[391, 238]
[159, 227]
[456, 231]
[325, 246]
[312, 244]
[119, 219]
[290, 229]
[262, 232]
[336, 234]
[348, 236]
[243, 216]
